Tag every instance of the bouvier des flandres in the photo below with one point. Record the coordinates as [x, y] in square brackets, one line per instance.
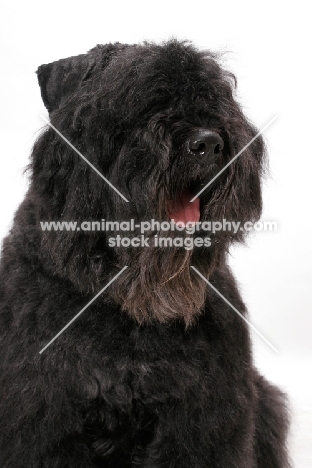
[157, 371]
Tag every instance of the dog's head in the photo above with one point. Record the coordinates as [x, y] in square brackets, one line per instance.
[160, 123]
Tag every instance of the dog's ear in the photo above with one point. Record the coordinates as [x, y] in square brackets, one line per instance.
[58, 80]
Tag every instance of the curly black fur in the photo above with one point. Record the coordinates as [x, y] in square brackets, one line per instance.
[158, 371]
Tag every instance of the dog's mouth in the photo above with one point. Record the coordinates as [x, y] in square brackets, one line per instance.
[181, 209]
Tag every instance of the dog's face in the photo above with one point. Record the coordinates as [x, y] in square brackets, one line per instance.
[159, 122]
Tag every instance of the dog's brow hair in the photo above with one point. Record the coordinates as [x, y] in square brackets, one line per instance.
[234, 308]
[234, 158]
[83, 309]
[84, 158]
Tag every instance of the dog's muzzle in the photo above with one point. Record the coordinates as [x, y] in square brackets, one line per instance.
[207, 147]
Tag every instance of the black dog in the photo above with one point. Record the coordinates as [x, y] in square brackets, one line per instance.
[157, 372]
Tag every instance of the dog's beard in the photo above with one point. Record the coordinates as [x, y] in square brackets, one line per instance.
[159, 284]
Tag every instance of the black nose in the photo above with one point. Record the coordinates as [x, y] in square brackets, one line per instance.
[205, 143]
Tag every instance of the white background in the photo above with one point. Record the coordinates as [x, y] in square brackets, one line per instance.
[269, 51]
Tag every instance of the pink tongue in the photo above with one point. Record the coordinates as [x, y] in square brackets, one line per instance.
[181, 210]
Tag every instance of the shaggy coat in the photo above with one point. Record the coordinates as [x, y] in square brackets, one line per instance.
[158, 371]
